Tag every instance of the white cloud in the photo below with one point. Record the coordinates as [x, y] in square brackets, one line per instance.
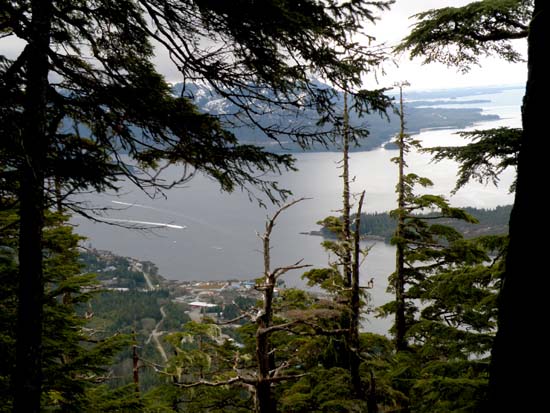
[396, 24]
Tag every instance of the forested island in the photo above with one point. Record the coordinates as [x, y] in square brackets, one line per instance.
[382, 225]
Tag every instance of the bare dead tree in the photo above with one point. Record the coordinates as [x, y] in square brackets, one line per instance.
[355, 306]
[267, 371]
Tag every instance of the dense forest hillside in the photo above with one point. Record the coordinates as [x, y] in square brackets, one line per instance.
[133, 299]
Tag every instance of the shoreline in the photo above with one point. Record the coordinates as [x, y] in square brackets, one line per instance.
[363, 237]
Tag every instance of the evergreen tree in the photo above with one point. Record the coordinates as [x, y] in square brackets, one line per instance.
[73, 361]
[440, 285]
[455, 330]
[399, 276]
[422, 248]
[483, 160]
[487, 27]
[342, 278]
[99, 54]
[349, 252]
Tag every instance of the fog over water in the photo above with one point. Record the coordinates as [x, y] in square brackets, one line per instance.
[205, 234]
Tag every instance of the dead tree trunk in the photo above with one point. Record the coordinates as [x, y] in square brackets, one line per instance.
[135, 363]
[264, 353]
[346, 259]
[355, 308]
[399, 283]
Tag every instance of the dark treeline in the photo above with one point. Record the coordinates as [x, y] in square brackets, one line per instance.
[118, 311]
[490, 222]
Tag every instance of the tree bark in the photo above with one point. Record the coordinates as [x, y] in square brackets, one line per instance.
[28, 375]
[400, 321]
[346, 211]
[264, 399]
[135, 363]
[372, 400]
[355, 307]
[523, 307]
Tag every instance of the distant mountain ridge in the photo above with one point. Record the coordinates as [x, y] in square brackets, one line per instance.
[381, 130]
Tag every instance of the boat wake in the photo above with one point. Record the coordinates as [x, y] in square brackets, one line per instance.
[154, 224]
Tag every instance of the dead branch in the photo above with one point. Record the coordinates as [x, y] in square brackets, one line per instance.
[285, 378]
[233, 380]
[277, 272]
[157, 367]
[271, 222]
[242, 316]
[287, 327]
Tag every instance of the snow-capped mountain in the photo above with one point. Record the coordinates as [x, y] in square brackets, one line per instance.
[381, 128]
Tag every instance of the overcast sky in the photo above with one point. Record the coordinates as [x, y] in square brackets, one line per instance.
[395, 25]
[392, 27]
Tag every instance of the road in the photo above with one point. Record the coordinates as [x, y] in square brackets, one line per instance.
[148, 281]
[195, 314]
[155, 334]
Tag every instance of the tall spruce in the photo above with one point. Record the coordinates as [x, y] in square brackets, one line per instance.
[73, 361]
[487, 27]
[404, 146]
[342, 279]
[423, 245]
[351, 258]
[516, 296]
[27, 380]
[444, 298]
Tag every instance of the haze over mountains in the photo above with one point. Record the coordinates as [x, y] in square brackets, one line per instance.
[424, 110]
